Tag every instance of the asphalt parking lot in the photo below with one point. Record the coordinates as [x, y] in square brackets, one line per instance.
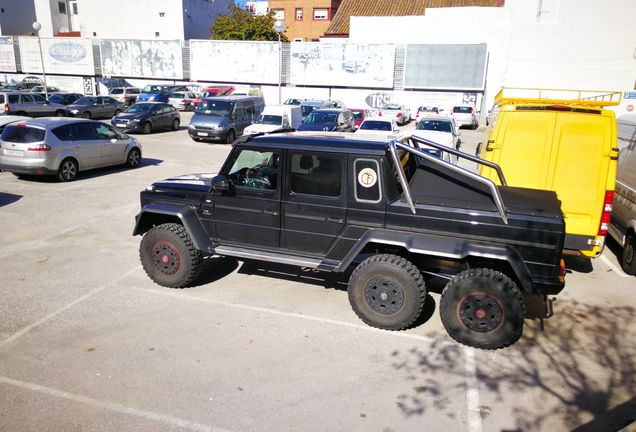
[89, 343]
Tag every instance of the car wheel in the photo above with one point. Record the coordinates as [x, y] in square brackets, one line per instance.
[59, 113]
[482, 308]
[86, 114]
[387, 291]
[68, 170]
[147, 128]
[231, 135]
[175, 124]
[133, 160]
[117, 112]
[628, 259]
[169, 257]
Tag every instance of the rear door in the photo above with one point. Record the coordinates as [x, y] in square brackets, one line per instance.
[86, 147]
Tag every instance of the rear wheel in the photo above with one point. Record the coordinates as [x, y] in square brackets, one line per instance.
[175, 124]
[169, 257]
[67, 171]
[86, 115]
[147, 128]
[628, 260]
[231, 135]
[134, 158]
[482, 308]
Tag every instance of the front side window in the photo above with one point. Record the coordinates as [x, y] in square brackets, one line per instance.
[255, 169]
[104, 132]
[316, 174]
[27, 99]
[39, 99]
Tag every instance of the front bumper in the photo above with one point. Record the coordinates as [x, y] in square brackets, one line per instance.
[216, 135]
[128, 127]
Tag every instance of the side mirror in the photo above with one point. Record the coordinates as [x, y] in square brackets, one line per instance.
[220, 184]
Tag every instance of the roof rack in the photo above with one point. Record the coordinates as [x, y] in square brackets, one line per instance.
[586, 98]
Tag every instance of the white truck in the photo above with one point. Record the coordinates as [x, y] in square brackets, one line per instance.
[276, 117]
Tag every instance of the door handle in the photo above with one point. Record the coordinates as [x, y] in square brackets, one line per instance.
[488, 147]
[335, 219]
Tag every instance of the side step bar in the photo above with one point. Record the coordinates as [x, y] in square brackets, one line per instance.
[267, 256]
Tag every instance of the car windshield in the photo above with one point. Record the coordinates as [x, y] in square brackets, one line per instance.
[321, 118]
[56, 98]
[209, 94]
[462, 110]
[392, 107]
[152, 89]
[428, 109]
[435, 125]
[269, 119]
[117, 91]
[22, 134]
[307, 109]
[215, 108]
[376, 125]
[86, 101]
[139, 108]
[357, 115]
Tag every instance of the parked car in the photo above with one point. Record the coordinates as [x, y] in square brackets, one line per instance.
[63, 147]
[332, 120]
[441, 130]
[23, 86]
[400, 113]
[95, 107]
[32, 105]
[125, 95]
[308, 106]
[359, 115]
[8, 119]
[64, 98]
[209, 92]
[182, 100]
[381, 127]
[293, 101]
[622, 226]
[146, 117]
[465, 115]
[40, 89]
[427, 111]
[224, 118]
[159, 92]
[275, 117]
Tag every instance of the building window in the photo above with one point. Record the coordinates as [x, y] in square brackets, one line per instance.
[62, 6]
[321, 14]
[94, 34]
[162, 14]
[157, 34]
[279, 14]
[299, 14]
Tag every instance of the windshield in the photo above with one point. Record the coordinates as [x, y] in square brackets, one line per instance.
[307, 109]
[376, 125]
[215, 108]
[152, 89]
[321, 118]
[462, 110]
[268, 119]
[428, 109]
[392, 107]
[56, 98]
[117, 91]
[435, 125]
[139, 108]
[86, 101]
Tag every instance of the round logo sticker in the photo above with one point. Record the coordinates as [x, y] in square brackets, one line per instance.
[367, 178]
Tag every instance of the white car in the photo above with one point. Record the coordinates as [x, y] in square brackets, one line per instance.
[465, 115]
[383, 127]
[427, 111]
[440, 130]
[400, 113]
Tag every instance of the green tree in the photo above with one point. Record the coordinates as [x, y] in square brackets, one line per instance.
[242, 25]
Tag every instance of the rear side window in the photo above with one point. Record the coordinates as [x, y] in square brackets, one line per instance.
[27, 98]
[63, 133]
[22, 134]
[316, 175]
[83, 131]
[1, 98]
[14, 99]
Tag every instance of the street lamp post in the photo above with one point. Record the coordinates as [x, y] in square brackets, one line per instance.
[279, 27]
[37, 26]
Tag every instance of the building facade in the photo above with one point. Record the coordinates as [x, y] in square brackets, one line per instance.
[306, 20]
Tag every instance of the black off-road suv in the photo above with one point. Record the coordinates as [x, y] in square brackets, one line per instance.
[393, 211]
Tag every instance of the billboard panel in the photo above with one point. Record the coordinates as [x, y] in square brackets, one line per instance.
[234, 61]
[142, 58]
[342, 64]
[72, 56]
[446, 67]
[7, 56]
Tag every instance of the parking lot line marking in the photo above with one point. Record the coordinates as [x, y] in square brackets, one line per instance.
[472, 391]
[287, 314]
[611, 265]
[41, 321]
[149, 415]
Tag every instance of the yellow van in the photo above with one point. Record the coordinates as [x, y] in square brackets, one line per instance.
[564, 141]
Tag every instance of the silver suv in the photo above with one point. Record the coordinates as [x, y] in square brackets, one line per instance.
[63, 147]
[29, 104]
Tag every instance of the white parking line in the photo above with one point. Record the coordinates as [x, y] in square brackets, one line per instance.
[616, 270]
[149, 415]
[472, 391]
[30, 327]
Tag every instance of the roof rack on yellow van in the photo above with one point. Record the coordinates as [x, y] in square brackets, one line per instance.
[586, 98]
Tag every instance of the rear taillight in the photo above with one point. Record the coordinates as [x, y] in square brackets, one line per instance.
[399, 115]
[608, 205]
[39, 147]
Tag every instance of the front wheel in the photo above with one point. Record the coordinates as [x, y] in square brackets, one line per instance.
[628, 260]
[134, 158]
[482, 308]
[147, 128]
[387, 291]
[230, 136]
[169, 257]
[175, 124]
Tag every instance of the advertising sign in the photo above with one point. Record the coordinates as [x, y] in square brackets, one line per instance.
[234, 61]
[142, 58]
[342, 64]
[73, 56]
[7, 56]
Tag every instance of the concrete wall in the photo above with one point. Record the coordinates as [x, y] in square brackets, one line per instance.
[17, 18]
[199, 16]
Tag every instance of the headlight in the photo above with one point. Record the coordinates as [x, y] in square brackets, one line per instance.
[134, 121]
[218, 127]
[74, 111]
[191, 127]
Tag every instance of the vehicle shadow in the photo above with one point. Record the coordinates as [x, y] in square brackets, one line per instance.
[614, 247]
[214, 268]
[582, 366]
[578, 264]
[98, 172]
[329, 280]
[8, 198]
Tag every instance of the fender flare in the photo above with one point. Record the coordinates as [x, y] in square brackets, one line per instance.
[186, 214]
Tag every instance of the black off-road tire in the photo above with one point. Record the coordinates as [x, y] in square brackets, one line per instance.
[67, 170]
[387, 291]
[175, 124]
[231, 136]
[628, 258]
[169, 257]
[482, 308]
[146, 128]
[133, 159]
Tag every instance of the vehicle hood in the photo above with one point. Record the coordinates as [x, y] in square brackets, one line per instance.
[316, 127]
[443, 138]
[197, 182]
[129, 116]
[259, 128]
[207, 120]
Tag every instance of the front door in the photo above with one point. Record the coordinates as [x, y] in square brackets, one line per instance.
[314, 210]
[250, 212]
[113, 144]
